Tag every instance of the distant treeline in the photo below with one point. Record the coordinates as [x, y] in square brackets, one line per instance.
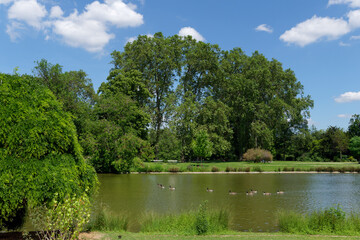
[164, 93]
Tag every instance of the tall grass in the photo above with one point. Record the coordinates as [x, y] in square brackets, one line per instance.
[328, 221]
[201, 221]
[103, 220]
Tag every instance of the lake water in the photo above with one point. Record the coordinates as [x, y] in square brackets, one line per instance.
[136, 194]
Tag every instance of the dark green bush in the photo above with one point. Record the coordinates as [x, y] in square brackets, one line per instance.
[257, 169]
[39, 151]
[201, 222]
[215, 169]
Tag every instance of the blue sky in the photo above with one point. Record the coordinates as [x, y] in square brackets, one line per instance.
[319, 40]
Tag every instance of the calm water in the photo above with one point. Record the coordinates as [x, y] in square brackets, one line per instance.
[136, 194]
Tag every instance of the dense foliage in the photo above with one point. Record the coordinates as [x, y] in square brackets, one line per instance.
[39, 151]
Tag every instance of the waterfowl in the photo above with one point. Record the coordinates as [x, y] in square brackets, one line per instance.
[280, 192]
[232, 193]
[209, 190]
[171, 188]
[249, 193]
[161, 186]
[266, 193]
[253, 191]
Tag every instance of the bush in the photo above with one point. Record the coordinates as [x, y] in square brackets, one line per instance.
[247, 169]
[257, 169]
[230, 169]
[174, 169]
[61, 220]
[39, 151]
[201, 222]
[257, 155]
[215, 169]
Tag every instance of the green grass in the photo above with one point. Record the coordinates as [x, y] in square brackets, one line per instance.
[227, 236]
[328, 221]
[275, 166]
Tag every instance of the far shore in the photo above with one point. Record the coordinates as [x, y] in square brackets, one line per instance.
[291, 172]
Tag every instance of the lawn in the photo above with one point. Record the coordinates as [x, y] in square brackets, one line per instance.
[274, 166]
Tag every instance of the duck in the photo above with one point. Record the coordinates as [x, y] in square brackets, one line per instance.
[171, 188]
[279, 192]
[209, 190]
[250, 193]
[232, 193]
[266, 193]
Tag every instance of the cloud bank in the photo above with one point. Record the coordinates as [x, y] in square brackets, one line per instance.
[90, 29]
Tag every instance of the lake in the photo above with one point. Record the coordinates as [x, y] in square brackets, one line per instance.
[136, 194]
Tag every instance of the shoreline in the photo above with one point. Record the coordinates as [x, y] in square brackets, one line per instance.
[268, 172]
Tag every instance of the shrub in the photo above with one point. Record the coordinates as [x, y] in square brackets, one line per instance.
[174, 169]
[201, 222]
[241, 169]
[257, 169]
[230, 169]
[61, 220]
[247, 169]
[214, 169]
[257, 155]
[39, 151]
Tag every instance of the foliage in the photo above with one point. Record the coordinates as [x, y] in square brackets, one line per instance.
[201, 222]
[354, 146]
[328, 221]
[187, 223]
[40, 154]
[61, 220]
[354, 126]
[257, 155]
[201, 145]
[103, 220]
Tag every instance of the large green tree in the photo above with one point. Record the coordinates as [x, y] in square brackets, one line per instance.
[39, 151]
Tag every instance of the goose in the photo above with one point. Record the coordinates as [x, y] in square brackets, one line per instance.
[171, 188]
[280, 192]
[250, 193]
[266, 193]
[253, 191]
[232, 193]
[161, 186]
[209, 190]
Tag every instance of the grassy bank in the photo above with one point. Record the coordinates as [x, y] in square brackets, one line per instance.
[229, 236]
[275, 166]
[328, 221]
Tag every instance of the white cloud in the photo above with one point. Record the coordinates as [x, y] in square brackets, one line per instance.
[344, 116]
[354, 37]
[90, 29]
[351, 3]
[56, 12]
[189, 31]
[29, 11]
[12, 30]
[348, 97]
[315, 29]
[264, 28]
[6, 1]
[342, 44]
[354, 19]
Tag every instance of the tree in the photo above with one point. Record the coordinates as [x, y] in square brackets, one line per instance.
[354, 147]
[39, 151]
[334, 143]
[354, 126]
[157, 58]
[201, 145]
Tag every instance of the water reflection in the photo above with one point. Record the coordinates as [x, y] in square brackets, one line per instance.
[137, 194]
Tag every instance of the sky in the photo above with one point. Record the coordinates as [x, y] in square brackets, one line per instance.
[319, 40]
